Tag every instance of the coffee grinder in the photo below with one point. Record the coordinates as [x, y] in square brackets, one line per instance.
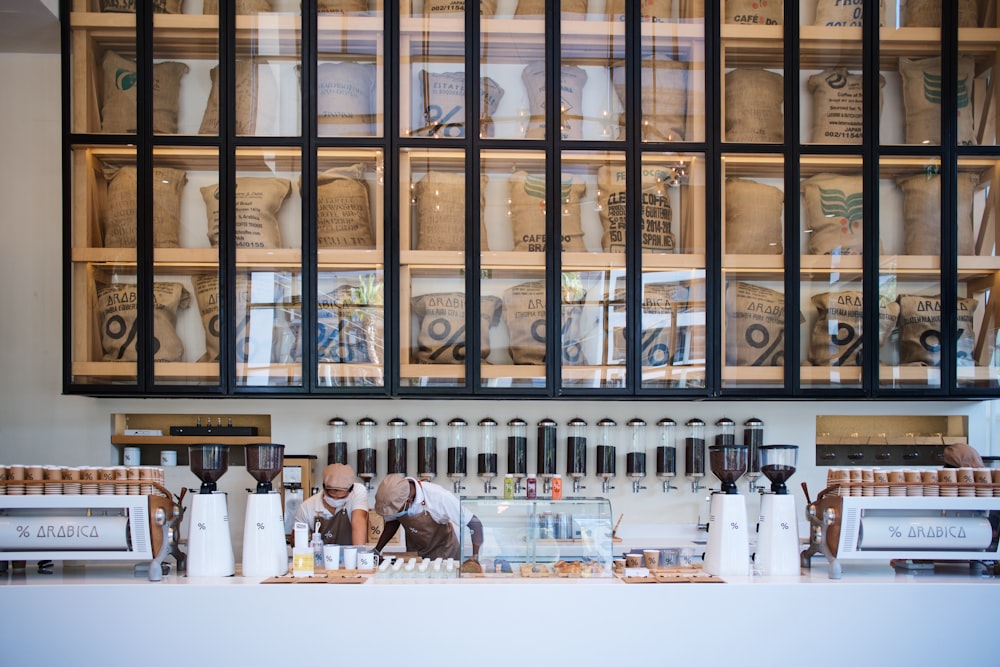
[209, 545]
[728, 549]
[264, 551]
[777, 525]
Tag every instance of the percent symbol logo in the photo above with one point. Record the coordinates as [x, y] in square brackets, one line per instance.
[784, 525]
[201, 526]
[734, 525]
[23, 531]
[260, 525]
[894, 531]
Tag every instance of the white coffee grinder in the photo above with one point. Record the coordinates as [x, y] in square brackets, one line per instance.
[264, 550]
[209, 545]
[728, 549]
[778, 524]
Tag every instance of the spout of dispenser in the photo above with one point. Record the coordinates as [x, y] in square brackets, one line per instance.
[637, 485]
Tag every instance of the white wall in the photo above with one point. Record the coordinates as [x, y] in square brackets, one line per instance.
[39, 425]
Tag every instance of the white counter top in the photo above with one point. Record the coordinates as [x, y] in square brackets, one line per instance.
[870, 616]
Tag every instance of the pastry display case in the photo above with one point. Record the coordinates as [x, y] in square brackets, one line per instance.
[306, 198]
[541, 538]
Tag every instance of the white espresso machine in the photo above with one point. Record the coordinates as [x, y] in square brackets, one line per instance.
[209, 545]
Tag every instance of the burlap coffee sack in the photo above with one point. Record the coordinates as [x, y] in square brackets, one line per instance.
[118, 108]
[754, 100]
[342, 6]
[345, 106]
[525, 314]
[527, 212]
[242, 6]
[692, 9]
[838, 105]
[658, 333]
[841, 13]
[444, 104]
[440, 211]
[657, 216]
[568, 8]
[257, 203]
[753, 218]
[255, 92]
[343, 210]
[754, 12]
[836, 335]
[128, 6]
[457, 7]
[755, 325]
[663, 97]
[117, 309]
[441, 338]
[657, 10]
[927, 14]
[834, 214]
[572, 81]
[922, 100]
[206, 293]
[962, 455]
[922, 213]
[120, 216]
[340, 329]
[920, 330]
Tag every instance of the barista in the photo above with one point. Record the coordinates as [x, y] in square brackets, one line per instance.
[340, 508]
[428, 513]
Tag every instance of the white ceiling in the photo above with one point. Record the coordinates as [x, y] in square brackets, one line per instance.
[29, 26]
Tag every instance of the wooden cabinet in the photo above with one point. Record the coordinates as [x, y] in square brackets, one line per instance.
[313, 203]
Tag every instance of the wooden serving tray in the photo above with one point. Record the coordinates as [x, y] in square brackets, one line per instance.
[333, 577]
[529, 571]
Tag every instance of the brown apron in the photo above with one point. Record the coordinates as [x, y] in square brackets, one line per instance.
[335, 529]
[429, 538]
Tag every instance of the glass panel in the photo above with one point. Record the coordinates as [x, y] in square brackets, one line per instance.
[267, 231]
[910, 62]
[268, 62]
[830, 76]
[673, 71]
[592, 76]
[753, 76]
[978, 39]
[753, 328]
[350, 86]
[432, 257]
[672, 331]
[185, 266]
[978, 273]
[351, 289]
[432, 70]
[910, 270]
[512, 44]
[104, 297]
[513, 268]
[185, 69]
[104, 83]
[831, 302]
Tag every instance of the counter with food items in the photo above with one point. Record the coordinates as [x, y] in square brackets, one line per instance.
[872, 615]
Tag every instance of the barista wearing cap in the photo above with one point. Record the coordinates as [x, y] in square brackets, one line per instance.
[428, 513]
[340, 508]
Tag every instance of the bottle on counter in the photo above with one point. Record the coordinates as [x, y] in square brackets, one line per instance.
[557, 487]
[531, 487]
[317, 549]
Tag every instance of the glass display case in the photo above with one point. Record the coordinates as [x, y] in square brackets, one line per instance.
[541, 538]
[671, 198]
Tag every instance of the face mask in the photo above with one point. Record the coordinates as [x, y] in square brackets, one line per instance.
[336, 504]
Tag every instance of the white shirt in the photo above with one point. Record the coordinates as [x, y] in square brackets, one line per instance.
[442, 505]
[314, 506]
